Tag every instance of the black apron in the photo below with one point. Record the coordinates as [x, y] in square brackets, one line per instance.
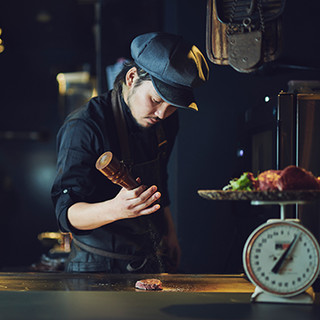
[143, 255]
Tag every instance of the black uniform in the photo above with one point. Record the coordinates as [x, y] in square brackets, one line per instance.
[126, 245]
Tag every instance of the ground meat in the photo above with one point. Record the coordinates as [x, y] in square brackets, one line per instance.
[149, 284]
[268, 180]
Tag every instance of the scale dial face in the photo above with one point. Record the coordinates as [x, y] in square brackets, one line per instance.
[282, 258]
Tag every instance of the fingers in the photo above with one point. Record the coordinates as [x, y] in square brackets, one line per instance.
[150, 193]
[146, 199]
[142, 193]
[143, 200]
[150, 210]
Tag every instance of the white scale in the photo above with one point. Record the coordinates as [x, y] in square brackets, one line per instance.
[282, 259]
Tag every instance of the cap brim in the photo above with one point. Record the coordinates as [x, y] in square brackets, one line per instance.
[181, 97]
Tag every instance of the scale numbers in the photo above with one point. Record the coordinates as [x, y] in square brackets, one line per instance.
[282, 258]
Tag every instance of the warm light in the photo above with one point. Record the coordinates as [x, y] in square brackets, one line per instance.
[1, 45]
[65, 79]
[94, 93]
[69, 81]
[43, 17]
[62, 83]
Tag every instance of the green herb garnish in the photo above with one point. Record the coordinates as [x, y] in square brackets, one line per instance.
[242, 183]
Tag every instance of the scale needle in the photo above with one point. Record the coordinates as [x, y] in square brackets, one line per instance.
[281, 260]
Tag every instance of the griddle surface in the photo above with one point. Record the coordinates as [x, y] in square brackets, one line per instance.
[122, 282]
[101, 296]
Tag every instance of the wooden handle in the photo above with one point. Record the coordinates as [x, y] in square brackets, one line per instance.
[115, 171]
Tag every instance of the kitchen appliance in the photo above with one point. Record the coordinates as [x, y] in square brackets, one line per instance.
[298, 140]
[284, 132]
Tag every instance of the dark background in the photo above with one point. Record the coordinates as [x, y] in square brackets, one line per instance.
[44, 38]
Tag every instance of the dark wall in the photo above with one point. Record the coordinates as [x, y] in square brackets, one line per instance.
[35, 50]
[43, 38]
[212, 234]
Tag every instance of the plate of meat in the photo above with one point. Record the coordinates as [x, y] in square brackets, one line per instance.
[277, 196]
[290, 184]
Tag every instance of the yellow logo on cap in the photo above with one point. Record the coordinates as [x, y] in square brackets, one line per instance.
[202, 66]
[193, 106]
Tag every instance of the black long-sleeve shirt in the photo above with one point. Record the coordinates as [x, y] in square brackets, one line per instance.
[85, 135]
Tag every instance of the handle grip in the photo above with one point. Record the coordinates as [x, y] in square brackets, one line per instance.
[115, 171]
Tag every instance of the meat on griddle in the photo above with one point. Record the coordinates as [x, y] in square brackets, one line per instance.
[149, 284]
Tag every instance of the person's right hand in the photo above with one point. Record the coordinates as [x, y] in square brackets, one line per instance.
[136, 202]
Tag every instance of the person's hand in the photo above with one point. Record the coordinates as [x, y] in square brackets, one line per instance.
[136, 202]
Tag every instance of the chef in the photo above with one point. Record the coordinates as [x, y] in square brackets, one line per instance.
[114, 229]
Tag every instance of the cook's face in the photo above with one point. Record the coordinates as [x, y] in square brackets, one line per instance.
[146, 106]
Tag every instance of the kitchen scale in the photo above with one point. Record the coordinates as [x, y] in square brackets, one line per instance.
[281, 257]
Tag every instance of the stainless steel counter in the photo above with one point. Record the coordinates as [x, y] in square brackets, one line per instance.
[101, 296]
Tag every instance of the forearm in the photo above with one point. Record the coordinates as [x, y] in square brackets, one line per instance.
[87, 216]
[127, 204]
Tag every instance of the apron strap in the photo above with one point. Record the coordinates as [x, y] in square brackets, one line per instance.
[121, 127]
[162, 141]
[137, 260]
[103, 253]
[123, 132]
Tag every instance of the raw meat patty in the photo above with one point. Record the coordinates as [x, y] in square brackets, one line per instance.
[149, 284]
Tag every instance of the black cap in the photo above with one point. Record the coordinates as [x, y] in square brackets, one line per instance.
[175, 66]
